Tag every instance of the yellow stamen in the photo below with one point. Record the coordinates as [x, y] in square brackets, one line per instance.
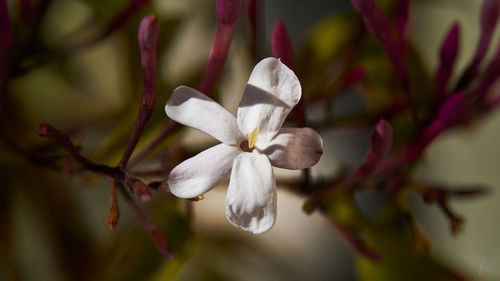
[197, 198]
[253, 137]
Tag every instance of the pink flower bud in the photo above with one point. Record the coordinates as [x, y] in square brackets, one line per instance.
[228, 11]
[448, 54]
[380, 146]
[148, 36]
[378, 24]
[282, 46]
[5, 27]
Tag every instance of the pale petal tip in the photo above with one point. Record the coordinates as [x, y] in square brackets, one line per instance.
[175, 189]
[256, 226]
[188, 187]
[294, 148]
[168, 104]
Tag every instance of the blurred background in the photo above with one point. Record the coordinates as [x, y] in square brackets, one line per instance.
[53, 214]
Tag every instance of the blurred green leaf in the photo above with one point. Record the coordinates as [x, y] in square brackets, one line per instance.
[318, 60]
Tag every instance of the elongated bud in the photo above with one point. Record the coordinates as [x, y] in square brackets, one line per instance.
[450, 112]
[228, 11]
[5, 26]
[281, 45]
[114, 213]
[148, 37]
[26, 8]
[378, 24]
[252, 9]
[380, 146]
[360, 5]
[282, 48]
[56, 136]
[401, 21]
[488, 20]
[449, 48]
[448, 55]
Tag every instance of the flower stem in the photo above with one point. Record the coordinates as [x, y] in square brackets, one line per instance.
[63, 141]
[153, 230]
[148, 36]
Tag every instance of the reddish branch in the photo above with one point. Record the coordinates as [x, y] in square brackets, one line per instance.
[148, 37]
[228, 12]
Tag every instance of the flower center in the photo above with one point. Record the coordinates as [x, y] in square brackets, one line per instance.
[247, 145]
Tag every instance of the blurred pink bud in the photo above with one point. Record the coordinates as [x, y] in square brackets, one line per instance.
[380, 146]
[363, 4]
[5, 27]
[114, 212]
[450, 112]
[401, 22]
[252, 19]
[26, 8]
[282, 46]
[448, 55]
[353, 76]
[489, 76]
[148, 36]
[228, 11]
[488, 20]
[378, 24]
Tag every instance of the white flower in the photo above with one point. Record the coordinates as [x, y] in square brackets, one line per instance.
[251, 143]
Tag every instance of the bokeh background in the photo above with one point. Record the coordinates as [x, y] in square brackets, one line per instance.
[53, 225]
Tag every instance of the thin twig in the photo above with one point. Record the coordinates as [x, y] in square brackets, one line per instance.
[114, 213]
[63, 141]
[153, 230]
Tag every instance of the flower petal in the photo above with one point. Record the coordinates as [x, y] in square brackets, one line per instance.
[272, 91]
[251, 196]
[200, 173]
[192, 108]
[293, 148]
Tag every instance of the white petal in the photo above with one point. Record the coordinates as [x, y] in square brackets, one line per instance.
[251, 196]
[192, 108]
[293, 148]
[200, 173]
[272, 91]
